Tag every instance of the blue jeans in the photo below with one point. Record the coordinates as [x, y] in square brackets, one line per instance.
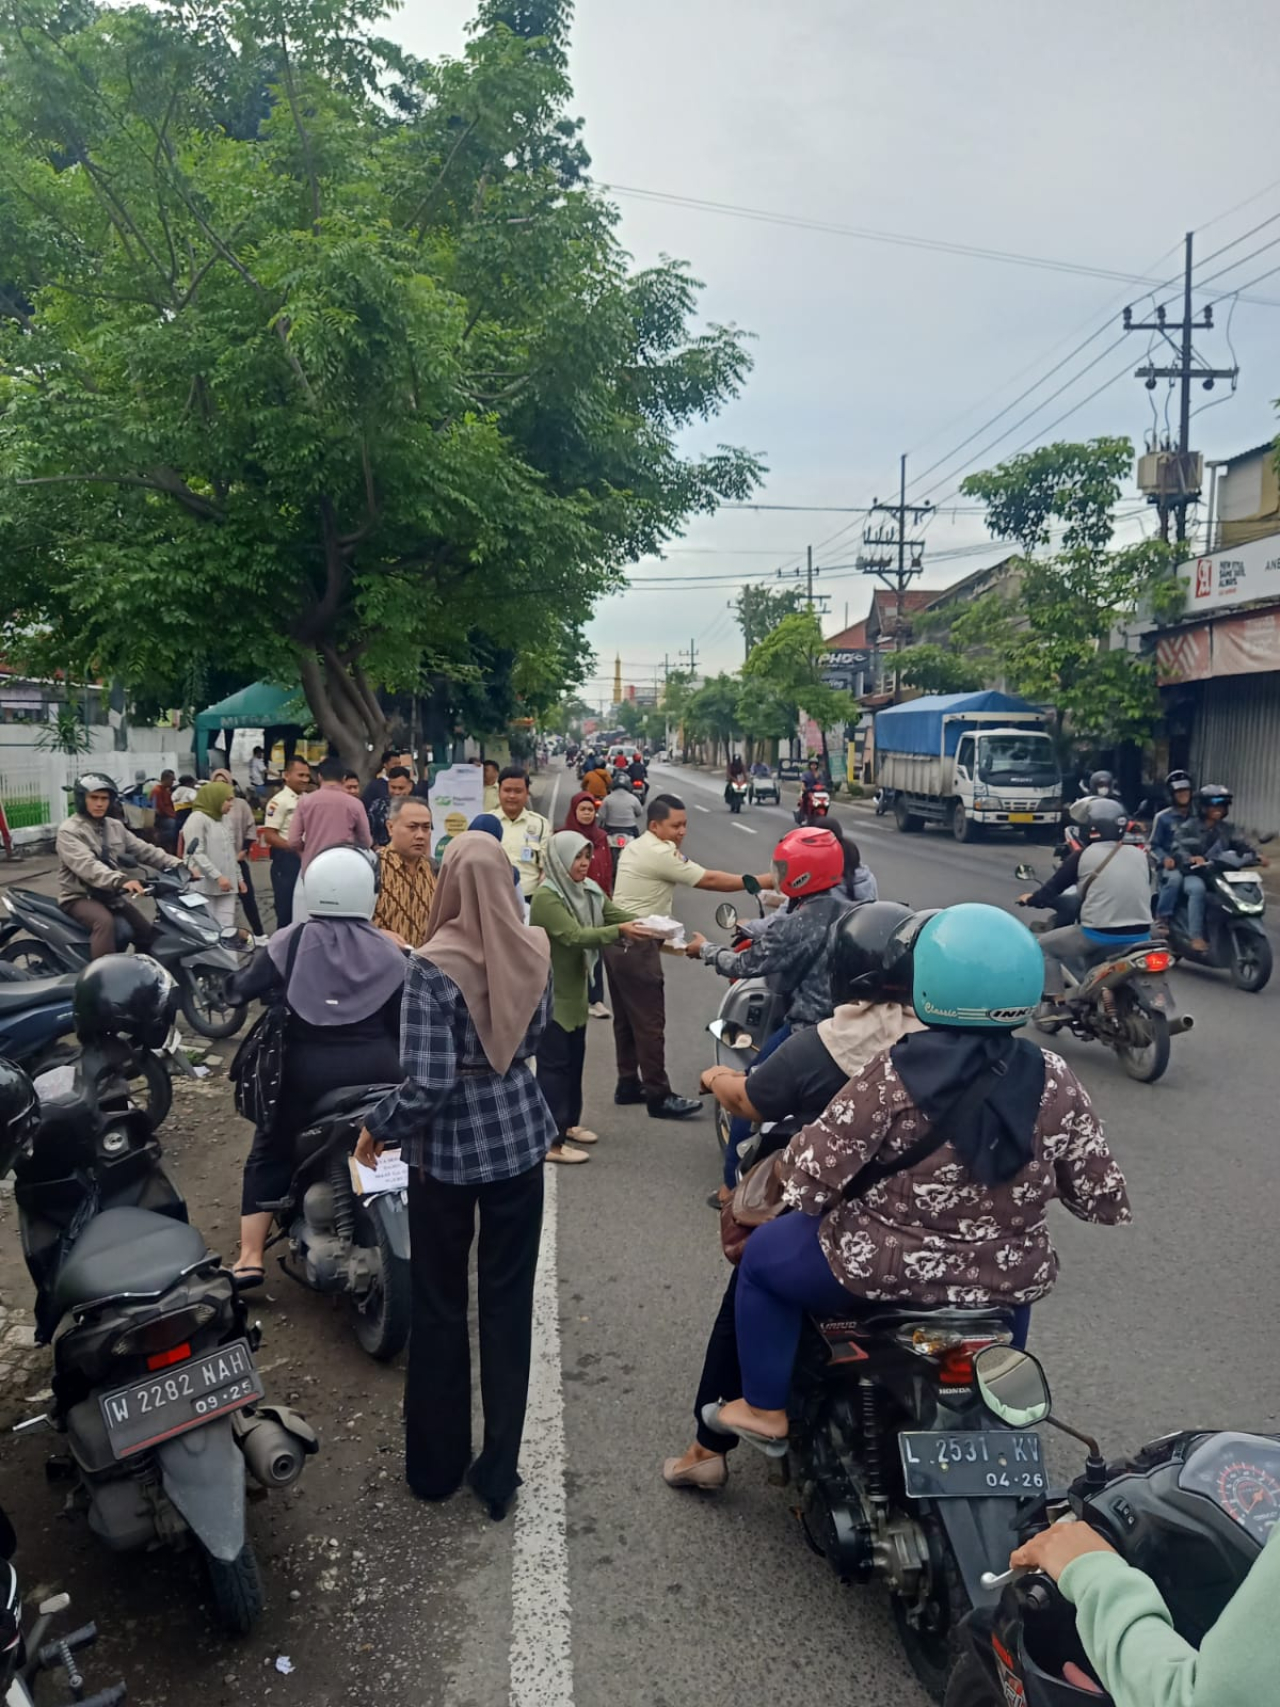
[783, 1275]
[740, 1126]
[1173, 886]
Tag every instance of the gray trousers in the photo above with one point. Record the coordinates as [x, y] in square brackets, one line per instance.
[1071, 948]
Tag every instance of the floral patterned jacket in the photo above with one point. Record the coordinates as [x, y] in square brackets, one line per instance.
[933, 1235]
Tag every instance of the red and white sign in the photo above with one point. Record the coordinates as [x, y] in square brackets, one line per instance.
[1246, 572]
[1238, 646]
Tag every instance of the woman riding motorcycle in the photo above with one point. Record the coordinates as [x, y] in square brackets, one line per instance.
[964, 1224]
[797, 1082]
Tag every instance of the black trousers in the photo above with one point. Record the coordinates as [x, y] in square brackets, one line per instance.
[437, 1401]
[249, 900]
[284, 877]
[721, 1378]
[561, 1057]
[639, 1016]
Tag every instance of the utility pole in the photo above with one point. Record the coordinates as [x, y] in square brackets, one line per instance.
[889, 547]
[1180, 492]
[813, 602]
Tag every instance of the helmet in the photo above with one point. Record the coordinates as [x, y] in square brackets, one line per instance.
[1101, 782]
[971, 966]
[124, 993]
[93, 782]
[1104, 820]
[622, 780]
[19, 1112]
[1213, 794]
[1178, 782]
[858, 943]
[341, 883]
[805, 862]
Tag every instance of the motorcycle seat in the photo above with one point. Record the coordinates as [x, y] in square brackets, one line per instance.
[28, 993]
[345, 1099]
[43, 904]
[126, 1251]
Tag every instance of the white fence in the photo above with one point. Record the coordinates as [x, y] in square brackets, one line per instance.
[34, 785]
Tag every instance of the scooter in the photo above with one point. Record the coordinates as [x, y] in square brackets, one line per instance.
[1192, 1511]
[735, 792]
[1237, 938]
[749, 1014]
[154, 1390]
[618, 840]
[25, 1654]
[347, 1227]
[188, 943]
[815, 805]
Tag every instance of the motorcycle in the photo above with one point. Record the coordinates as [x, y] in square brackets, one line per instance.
[618, 840]
[735, 792]
[815, 805]
[1193, 1511]
[761, 788]
[641, 785]
[749, 1014]
[883, 801]
[1124, 1003]
[349, 1227]
[154, 1388]
[188, 943]
[24, 1654]
[1237, 938]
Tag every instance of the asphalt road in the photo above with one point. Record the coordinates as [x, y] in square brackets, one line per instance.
[605, 1588]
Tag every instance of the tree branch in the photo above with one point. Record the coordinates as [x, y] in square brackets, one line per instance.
[313, 183]
[420, 212]
[313, 686]
[171, 485]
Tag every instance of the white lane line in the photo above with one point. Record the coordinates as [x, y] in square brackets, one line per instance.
[745, 828]
[555, 795]
[541, 1666]
[698, 808]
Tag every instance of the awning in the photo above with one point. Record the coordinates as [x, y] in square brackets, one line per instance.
[263, 705]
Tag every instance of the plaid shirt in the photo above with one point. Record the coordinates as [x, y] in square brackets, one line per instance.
[453, 1115]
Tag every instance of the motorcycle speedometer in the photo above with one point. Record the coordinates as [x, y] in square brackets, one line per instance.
[1240, 1473]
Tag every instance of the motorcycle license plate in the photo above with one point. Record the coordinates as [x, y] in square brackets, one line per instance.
[977, 1465]
[180, 1398]
[1022, 817]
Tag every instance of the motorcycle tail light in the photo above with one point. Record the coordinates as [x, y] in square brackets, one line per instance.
[1159, 961]
[950, 1349]
[166, 1359]
[164, 1333]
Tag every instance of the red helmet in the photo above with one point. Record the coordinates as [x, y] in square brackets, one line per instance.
[805, 862]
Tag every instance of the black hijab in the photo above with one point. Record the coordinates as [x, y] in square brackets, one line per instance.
[936, 1065]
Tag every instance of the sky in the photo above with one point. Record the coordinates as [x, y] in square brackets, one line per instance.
[1093, 135]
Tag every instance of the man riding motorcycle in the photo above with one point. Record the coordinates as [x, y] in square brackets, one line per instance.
[1164, 829]
[1101, 786]
[1115, 895]
[1200, 838]
[620, 810]
[92, 848]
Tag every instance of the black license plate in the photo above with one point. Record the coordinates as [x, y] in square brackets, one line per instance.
[181, 1397]
[982, 1464]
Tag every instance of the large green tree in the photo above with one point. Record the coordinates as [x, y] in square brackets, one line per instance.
[761, 608]
[783, 678]
[320, 362]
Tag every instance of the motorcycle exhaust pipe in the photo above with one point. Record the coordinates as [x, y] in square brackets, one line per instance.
[1184, 1022]
[274, 1456]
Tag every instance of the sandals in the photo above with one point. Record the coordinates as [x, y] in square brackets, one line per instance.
[772, 1445]
[246, 1279]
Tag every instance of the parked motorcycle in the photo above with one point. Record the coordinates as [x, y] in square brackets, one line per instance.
[1125, 1003]
[25, 1654]
[188, 943]
[1193, 1511]
[349, 1229]
[1234, 930]
[154, 1389]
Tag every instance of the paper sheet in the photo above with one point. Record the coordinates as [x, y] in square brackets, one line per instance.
[391, 1174]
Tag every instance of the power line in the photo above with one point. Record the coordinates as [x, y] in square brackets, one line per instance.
[1243, 261]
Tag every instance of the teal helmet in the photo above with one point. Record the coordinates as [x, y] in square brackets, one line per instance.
[972, 966]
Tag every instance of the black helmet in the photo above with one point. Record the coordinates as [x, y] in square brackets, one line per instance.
[859, 941]
[1213, 794]
[1102, 782]
[19, 1113]
[93, 782]
[1105, 820]
[1178, 782]
[128, 994]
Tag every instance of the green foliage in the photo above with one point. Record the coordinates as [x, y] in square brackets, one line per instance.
[319, 362]
[65, 733]
[784, 668]
[761, 609]
[712, 712]
[937, 669]
[1052, 643]
[970, 654]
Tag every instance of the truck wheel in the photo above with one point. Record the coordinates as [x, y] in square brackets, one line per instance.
[963, 827]
[907, 822]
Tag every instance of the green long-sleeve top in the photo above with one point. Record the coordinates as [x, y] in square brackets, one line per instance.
[568, 940]
[1143, 1662]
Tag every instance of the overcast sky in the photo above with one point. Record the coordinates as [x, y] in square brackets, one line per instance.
[1096, 134]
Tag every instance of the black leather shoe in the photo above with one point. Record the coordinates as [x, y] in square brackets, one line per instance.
[674, 1108]
[628, 1090]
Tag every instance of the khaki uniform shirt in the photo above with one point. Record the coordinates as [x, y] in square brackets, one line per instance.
[649, 873]
[524, 841]
[280, 810]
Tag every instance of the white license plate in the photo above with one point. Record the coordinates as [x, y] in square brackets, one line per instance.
[1249, 877]
[193, 901]
[179, 1398]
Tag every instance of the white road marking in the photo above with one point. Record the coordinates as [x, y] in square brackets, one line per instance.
[555, 795]
[541, 1644]
[698, 808]
[745, 828]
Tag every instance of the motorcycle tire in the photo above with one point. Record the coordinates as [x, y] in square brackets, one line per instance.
[1147, 1064]
[26, 956]
[969, 1685]
[381, 1319]
[933, 1653]
[201, 1017]
[1252, 970]
[236, 1586]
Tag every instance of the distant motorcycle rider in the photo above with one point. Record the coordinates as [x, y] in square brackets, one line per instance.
[1101, 786]
[92, 848]
[1201, 837]
[1115, 895]
[620, 810]
[1164, 830]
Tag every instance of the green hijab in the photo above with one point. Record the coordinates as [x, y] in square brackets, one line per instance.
[584, 900]
[211, 797]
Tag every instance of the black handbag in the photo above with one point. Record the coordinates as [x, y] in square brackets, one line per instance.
[258, 1069]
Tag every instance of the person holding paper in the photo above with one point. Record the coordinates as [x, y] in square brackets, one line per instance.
[342, 980]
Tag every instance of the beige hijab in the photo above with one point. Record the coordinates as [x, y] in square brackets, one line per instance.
[859, 1031]
[477, 936]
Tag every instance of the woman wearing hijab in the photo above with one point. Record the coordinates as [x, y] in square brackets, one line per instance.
[580, 920]
[209, 850]
[583, 817]
[472, 1123]
[244, 833]
[342, 980]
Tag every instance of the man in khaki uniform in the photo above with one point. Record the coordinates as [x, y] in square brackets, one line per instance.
[650, 870]
[286, 865]
[525, 833]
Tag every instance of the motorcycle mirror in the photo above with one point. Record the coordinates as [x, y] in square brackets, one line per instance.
[1026, 873]
[726, 915]
[1013, 1385]
[750, 884]
[716, 1028]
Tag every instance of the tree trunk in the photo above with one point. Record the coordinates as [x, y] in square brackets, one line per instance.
[346, 710]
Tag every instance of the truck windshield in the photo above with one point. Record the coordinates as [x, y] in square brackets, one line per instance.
[1023, 759]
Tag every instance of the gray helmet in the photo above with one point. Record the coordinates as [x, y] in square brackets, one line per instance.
[1105, 820]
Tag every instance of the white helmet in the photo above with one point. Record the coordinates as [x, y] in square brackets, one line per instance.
[341, 883]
